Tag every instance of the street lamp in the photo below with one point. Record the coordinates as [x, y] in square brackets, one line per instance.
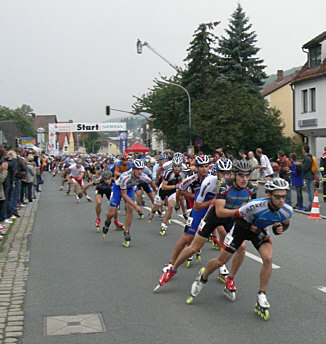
[189, 105]
[140, 46]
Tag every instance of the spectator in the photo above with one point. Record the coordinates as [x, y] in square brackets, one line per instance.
[254, 176]
[243, 155]
[297, 180]
[308, 175]
[265, 164]
[283, 168]
[30, 176]
[3, 176]
[322, 169]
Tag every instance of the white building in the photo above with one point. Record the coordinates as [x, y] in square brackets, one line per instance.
[309, 96]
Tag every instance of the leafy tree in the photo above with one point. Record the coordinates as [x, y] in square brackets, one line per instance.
[237, 61]
[21, 117]
[92, 142]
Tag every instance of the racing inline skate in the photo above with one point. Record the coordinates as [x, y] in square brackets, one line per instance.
[215, 242]
[97, 224]
[126, 239]
[222, 273]
[164, 227]
[165, 277]
[197, 256]
[262, 306]
[230, 288]
[150, 217]
[196, 287]
[106, 228]
[141, 215]
[119, 225]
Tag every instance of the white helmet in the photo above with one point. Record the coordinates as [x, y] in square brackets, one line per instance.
[138, 163]
[276, 184]
[201, 160]
[176, 161]
[223, 165]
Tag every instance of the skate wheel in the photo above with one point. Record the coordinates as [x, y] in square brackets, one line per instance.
[190, 300]
[221, 278]
[188, 263]
[156, 288]
[198, 259]
[149, 221]
[103, 236]
[97, 229]
[265, 315]
[169, 221]
[162, 233]
[126, 243]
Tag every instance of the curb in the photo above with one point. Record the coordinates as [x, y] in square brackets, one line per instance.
[14, 270]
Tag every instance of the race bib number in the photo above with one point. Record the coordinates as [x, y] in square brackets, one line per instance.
[189, 221]
[201, 225]
[228, 239]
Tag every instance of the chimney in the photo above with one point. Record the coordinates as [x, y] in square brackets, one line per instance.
[279, 75]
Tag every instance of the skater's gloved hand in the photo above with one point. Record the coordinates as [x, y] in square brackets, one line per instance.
[277, 228]
[261, 233]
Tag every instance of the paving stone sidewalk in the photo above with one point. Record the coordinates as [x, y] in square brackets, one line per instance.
[14, 267]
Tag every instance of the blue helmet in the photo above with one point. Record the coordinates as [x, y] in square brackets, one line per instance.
[223, 165]
[162, 157]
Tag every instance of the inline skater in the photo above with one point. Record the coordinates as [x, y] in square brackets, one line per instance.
[144, 186]
[190, 188]
[171, 179]
[75, 176]
[251, 222]
[231, 193]
[124, 188]
[103, 186]
[122, 166]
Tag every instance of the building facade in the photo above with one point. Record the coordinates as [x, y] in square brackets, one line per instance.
[309, 95]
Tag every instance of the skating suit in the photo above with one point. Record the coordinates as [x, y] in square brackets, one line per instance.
[259, 214]
[204, 193]
[126, 182]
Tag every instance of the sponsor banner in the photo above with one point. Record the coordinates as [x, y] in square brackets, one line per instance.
[123, 140]
[82, 127]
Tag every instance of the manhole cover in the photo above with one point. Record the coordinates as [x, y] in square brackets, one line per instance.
[73, 324]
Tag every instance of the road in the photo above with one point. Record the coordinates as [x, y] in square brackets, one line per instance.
[73, 271]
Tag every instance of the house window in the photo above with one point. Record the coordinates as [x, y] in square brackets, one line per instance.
[315, 56]
[305, 101]
[312, 99]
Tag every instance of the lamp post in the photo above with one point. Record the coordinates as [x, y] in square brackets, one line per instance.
[140, 46]
[189, 106]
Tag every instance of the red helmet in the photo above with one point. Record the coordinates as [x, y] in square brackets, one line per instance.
[125, 156]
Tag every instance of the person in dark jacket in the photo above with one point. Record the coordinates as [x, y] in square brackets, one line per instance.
[296, 180]
[322, 169]
[308, 175]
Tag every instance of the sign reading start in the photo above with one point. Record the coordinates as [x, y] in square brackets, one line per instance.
[85, 127]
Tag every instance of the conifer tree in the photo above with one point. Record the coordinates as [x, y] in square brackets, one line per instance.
[237, 52]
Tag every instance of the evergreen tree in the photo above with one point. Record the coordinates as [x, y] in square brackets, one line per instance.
[201, 61]
[237, 61]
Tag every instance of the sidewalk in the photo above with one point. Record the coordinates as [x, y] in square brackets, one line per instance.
[14, 261]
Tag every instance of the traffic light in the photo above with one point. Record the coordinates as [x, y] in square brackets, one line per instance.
[107, 109]
[17, 142]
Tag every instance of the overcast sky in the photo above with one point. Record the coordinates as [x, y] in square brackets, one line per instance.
[71, 58]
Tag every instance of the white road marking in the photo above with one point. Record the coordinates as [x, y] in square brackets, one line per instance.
[322, 289]
[249, 255]
[258, 259]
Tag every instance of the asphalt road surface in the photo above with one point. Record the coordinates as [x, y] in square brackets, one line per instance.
[74, 273]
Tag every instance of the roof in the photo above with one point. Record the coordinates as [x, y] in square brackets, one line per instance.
[275, 85]
[10, 131]
[306, 73]
[61, 139]
[42, 121]
[315, 41]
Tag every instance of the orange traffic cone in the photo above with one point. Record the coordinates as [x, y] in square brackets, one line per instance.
[314, 215]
